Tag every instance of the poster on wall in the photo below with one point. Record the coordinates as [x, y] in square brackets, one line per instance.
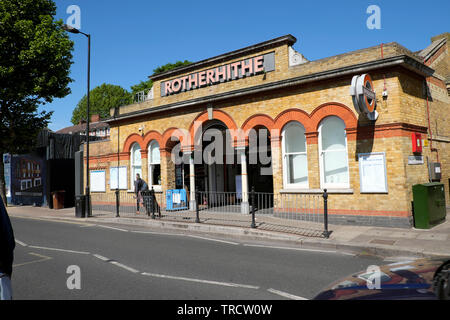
[7, 168]
[98, 181]
[372, 172]
[120, 174]
[27, 180]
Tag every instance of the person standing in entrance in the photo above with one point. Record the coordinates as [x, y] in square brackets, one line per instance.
[7, 245]
[139, 186]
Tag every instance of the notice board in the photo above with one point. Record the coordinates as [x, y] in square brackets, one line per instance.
[122, 176]
[372, 172]
[98, 181]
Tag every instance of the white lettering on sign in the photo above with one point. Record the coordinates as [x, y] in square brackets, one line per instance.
[232, 71]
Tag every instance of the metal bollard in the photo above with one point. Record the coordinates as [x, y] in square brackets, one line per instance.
[152, 203]
[252, 196]
[326, 233]
[197, 216]
[117, 203]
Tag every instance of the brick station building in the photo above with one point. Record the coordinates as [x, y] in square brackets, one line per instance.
[319, 137]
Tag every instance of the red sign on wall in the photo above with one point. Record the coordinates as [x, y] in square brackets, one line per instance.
[417, 143]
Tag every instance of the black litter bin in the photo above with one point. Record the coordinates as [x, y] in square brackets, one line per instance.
[80, 207]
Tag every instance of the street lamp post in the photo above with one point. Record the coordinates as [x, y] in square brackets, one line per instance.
[88, 192]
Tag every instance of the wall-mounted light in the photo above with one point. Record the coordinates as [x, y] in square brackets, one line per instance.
[141, 130]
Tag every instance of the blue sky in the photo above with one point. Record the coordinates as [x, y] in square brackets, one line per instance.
[131, 38]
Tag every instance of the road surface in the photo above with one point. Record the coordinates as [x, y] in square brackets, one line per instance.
[71, 261]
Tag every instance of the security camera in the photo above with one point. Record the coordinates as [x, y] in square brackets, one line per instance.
[141, 130]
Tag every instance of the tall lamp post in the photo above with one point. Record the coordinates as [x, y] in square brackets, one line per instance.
[88, 193]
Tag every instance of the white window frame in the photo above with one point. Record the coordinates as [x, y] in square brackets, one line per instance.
[36, 181]
[133, 167]
[321, 160]
[151, 163]
[25, 187]
[286, 183]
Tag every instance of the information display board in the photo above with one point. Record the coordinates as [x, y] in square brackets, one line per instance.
[372, 172]
[118, 176]
[98, 180]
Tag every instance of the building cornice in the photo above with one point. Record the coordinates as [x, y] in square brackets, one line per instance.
[402, 60]
[287, 39]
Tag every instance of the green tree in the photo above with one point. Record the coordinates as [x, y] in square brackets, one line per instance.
[145, 85]
[141, 86]
[171, 66]
[35, 60]
[101, 100]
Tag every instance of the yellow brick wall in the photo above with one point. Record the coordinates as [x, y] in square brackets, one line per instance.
[308, 99]
[282, 72]
[439, 106]
[405, 104]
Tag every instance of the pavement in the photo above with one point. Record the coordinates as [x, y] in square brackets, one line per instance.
[361, 240]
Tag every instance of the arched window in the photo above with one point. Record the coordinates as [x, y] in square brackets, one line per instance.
[334, 171]
[295, 159]
[154, 165]
[136, 162]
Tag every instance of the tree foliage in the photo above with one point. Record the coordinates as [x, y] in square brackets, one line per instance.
[171, 66]
[35, 60]
[141, 86]
[145, 85]
[101, 100]
[108, 96]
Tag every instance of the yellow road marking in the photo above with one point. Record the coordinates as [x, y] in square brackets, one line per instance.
[43, 258]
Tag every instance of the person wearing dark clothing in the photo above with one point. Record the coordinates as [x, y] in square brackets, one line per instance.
[7, 245]
[139, 186]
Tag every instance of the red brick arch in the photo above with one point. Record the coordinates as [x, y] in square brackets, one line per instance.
[258, 120]
[150, 136]
[181, 134]
[132, 139]
[293, 115]
[333, 109]
[203, 117]
[252, 122]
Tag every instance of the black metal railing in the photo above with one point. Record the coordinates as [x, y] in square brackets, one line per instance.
[219, 202]
[288, 211]
[127, 203]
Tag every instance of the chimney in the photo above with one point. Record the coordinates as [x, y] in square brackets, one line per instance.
[95, 118]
